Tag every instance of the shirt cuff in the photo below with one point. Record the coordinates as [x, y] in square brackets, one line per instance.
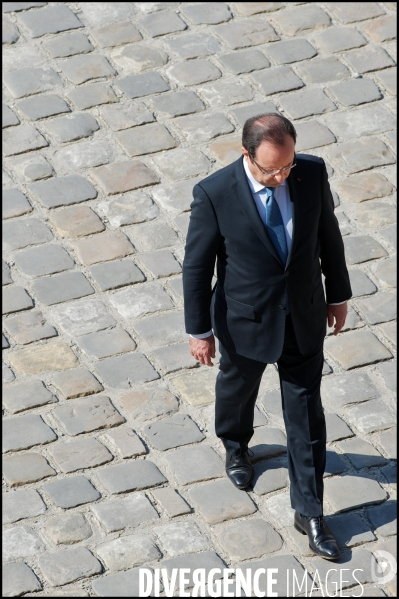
[202, 335]
[337, 303]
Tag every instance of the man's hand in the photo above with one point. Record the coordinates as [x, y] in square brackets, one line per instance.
[337, 313]
[203, 349]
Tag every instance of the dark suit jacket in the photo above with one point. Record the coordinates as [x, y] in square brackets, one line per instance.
[245, 309]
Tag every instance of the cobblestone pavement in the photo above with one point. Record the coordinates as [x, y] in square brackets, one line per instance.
[112, 111]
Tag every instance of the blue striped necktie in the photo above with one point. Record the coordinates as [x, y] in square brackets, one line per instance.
[275, 226]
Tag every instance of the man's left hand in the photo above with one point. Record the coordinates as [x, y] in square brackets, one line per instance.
[337, 314]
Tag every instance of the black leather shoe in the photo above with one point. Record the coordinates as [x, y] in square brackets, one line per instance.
[239, 470]
[321, 539]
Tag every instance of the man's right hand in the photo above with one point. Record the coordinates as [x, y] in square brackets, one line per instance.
[203, 349]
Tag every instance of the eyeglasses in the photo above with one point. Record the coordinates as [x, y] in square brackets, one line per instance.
[276, 172]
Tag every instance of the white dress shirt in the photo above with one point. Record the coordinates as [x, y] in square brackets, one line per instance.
[259, 194]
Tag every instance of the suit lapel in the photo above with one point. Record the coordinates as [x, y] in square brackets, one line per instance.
[294, 186]
[243, 193]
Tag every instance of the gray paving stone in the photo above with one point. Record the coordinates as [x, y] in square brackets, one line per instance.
[62, 191]
[182, 162]
[323, 70]
[359, 560]
[32, 167]
[100, 13]
[361, 453]
[356, 91]
[242, 113]
[381, 307]
[160, 264]
[388, 79]
[25, 395]
[118, 514]
[123, 371]
[71, 128]
[271, 402]
[129, 209]
[366, 186]
[76, 383]
[102, 247]
[162, 23]
[177, 286]
[67, 45]
[55, 355]
[7, 374]
[69, 565]
[162, 329]
[126, 442]
[76, 221]
[244, 61]
[253, 8]
[71, 492]
[127, 551]
[77, 455]
[358, 123]
[383, 518]
[23, 139]
[194, 45]
[386, 272]
[356, 348]
[246, 32]
[350, 491]
[22, 504]
[360, 283]
[193, 72]
[312, 134]
[141, 405]
[336, 428]
[10, 32]
[87, 414]
[370, 416]
[381, 30]
[347, 13]
[267, 442]
[119, 177]
[350, 530]
[18, 6]
[43, 260]
[177, 197]
[173, 432]
[126, 583]
[15, 299]
[88, 96]
[20, 233]
[148, 7]
[301, 19]
[133, 476]
[125, 116]
[306, 103]
[197, 387]
[209, 13]
[171, 502]
[14, 203]
[117, 273]
[24, 432]
[27, 81]
[194, 464]
[369, 59]
[179, 538]
[25, 54]
[143, 84]
[279, 507]
[146, 139]
[226, 91]
[18, 578]
[80, 69]
[231, 503]
[277, 79]
[4, 342]
[42, 106]
[137, 58]
[116, 34]
[362, 248]
[68, 528]
[61, 288]
[389, 374]
[389, 235]
[177, 103]
[9, 118]
[207, 561]
[338, 39]
[152, 236]
[83, 316]
[106, 343]
[269, 477]
[49, 20]
[5, 273]
[389, 329]
[201, 128]
[247, 539]
[290, 51]
[26, 468]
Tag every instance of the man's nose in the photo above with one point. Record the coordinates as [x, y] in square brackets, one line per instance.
[280, 177]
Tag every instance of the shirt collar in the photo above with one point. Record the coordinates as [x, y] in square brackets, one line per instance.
[255, 186]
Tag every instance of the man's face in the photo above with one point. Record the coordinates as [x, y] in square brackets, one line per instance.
[269, 158]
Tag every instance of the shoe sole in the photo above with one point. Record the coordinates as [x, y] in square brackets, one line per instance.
[303, 532]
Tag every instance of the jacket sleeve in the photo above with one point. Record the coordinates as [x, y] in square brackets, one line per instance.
[203, 241]
[332, 254]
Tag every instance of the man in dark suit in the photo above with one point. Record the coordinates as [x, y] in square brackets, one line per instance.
[268, 222]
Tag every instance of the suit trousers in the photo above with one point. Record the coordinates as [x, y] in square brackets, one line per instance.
[237, 387]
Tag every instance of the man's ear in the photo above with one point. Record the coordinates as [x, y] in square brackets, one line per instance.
[244, 151]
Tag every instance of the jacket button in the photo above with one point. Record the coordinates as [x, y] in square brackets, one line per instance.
[281, 307]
